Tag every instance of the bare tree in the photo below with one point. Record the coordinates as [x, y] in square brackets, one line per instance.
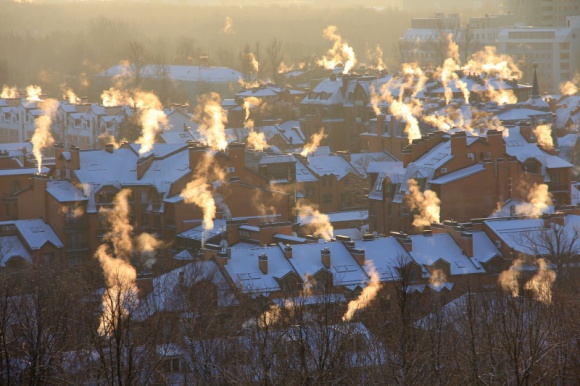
[557, 241]
[275, 57]
[138, 58]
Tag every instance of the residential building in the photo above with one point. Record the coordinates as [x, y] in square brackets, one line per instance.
[554, 50]
[89, 180]
[451, 166]
[543, 13]
[22, 242]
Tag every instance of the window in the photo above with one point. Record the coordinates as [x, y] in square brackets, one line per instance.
[471, 156]
[309, 192]
[172, 365]
[327, 198]
[14, 186]
[443, 170]
[379, 184]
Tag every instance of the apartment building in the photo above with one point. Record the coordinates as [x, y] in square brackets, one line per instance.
[554, 50]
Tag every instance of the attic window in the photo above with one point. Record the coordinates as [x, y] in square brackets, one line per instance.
[471, 156]
[443, 170]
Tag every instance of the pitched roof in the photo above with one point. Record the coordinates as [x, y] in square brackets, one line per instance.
[428, 249]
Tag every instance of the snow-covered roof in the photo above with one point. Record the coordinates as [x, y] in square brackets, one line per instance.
[199, 232]
[35, 233]
[428, 249]
[483, 248]
[519, 113]
[21, 171]
[386, 254]
[331, 165]
[303, 174]
[10, 247]
[360, 161]
[64, 191]
[327, 92]
[516, 233]
[168, 293]
[353, 233]
[276, 159]
[306, 260]
[243, 267]
[16, 148]
[182, 73]
[519, 147]
[526, 235]
[459, 174]
[353, 215]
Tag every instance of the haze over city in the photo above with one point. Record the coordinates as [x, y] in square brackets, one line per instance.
[289, 192]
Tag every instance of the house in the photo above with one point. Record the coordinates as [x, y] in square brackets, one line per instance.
[451, 165]
[90, 179]
[24, 241]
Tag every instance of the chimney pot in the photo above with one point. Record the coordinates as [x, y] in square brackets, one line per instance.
[325, 256]
[288, 251]
[263, 263]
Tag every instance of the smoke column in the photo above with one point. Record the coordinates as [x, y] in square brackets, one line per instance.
[42, 137]
[367, 294]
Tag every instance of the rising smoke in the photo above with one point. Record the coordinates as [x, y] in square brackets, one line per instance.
[340, 53]
[426, 204]
[42, 137]
[367, 295]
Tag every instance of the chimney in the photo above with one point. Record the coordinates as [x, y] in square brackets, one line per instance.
[75, 158]
[222, 257]
[196, 151]
[408, 244]
[526, 131]
[359, 255]
[143, 164]
[407, 156]
[466, 243]
[144, 284]
[459, 144]
[58, 160]
[495, 140]
[380, 123]
[325, 256]
[345, 154]
[58, 150]
[263, 263]
[237, 152]
[110, 148]
[288, 251]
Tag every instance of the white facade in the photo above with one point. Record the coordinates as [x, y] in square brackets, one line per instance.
[555, 50]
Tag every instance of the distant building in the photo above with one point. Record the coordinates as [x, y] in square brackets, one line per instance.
[556, 50]
[192, 80]
[426, 42]
[543, 13]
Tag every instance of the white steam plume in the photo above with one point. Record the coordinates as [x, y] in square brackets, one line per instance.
[314, 143]
[427, 204]
[42, 137]
[318, 223]
[339, 52]
[539, 200]
[212, 119]
[367, 294]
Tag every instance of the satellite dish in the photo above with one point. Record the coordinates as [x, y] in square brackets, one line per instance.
[224, 244]
[375, 234]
